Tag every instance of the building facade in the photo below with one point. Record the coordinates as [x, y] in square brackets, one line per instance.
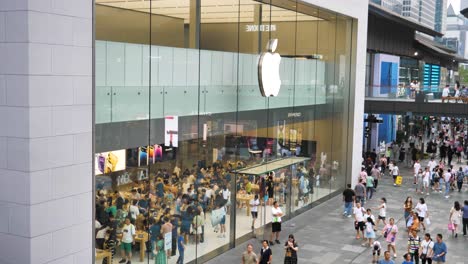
[112, 105]
[456, 34]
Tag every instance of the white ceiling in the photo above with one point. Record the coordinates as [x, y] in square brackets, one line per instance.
[212, 11]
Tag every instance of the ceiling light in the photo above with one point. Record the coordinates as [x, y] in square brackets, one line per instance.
[416, 53]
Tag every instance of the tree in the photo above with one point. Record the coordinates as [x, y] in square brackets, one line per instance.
[463, 73]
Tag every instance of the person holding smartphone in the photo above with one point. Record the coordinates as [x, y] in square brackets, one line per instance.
[128, 239]
[291, 248]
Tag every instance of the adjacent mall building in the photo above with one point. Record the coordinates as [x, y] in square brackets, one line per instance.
[165, 105]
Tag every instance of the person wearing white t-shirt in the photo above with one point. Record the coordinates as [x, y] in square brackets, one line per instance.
[445, 92]
[276, 214]
[426, 247]
[128, 239]
[395, 172]
[416, 168]
[421, 208]
[426, 180]
[447, 176]
[134, 210]
[382, 212]
[359, 223]
[254, 209]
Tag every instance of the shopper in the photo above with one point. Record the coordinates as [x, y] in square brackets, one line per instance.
[382, 212]
[423, 213]
[369, 232]
[128, 239]
[181, 248]
[348, 199]
[460, 179]
[276, 222]
[161, 255]
[425, 181]
[419, 181]
[407, 259]
[414, 242]
[369, 186]
[376, 251]
[360, 192]
[395, 173]
[440, 250]
[376, 174]
[416, 168]
[291, 248]
[426, 249]
[254, 209]
[455, 218]
[408, 208]
[249, 257]
[266, 255]
[359, 220]
[465, 217]
[447, 177]
[386, 259]
[389, 232]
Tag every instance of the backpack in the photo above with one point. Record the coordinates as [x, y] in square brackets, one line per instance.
[460, 176]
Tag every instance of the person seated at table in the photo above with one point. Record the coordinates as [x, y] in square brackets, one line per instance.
[135, 195]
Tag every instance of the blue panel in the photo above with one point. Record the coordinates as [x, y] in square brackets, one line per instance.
[386, 129]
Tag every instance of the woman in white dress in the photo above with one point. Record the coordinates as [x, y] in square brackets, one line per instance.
[455, 217]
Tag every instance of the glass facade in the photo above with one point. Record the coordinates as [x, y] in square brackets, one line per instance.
[184, 136]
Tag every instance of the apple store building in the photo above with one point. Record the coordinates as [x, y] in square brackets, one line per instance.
[217, 109]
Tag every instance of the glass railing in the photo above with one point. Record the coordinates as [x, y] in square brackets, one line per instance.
[401, 93]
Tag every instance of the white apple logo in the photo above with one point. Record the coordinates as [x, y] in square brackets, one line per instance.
[268, 70]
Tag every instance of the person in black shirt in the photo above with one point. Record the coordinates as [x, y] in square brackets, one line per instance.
[348, 198]
[265, 254]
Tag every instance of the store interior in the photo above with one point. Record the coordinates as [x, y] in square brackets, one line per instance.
[182, 129]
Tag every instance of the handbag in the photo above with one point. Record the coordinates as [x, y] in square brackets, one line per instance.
[428, 221]
[451, 227]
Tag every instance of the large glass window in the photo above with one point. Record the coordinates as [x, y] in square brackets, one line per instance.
[187, 148]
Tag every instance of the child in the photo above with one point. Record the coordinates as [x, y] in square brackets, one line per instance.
[376, 251]
[370, 233]
[407, 258]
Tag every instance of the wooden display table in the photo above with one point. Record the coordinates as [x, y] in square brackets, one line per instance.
[245, 198]
[102, 254]
[255, 188]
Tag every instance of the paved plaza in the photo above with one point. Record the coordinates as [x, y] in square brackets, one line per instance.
[326, 237]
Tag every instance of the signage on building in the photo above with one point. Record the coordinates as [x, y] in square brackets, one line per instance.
[299, 114]
[261, 28]
[269, 79]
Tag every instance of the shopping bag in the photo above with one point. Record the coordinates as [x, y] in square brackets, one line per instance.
[451, 227]
[399, 180]
[216, 216]
[428, 221]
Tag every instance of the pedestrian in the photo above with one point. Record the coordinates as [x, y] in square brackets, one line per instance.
[348, 199]
[376, 251]
[360, 192]
[249, 257]
[416, 168]
[440, 250]
[254, 209]
[395, 173]
[276, 222]
[414, 242]
[447, 177]
[359, 220]
[128, 239]
[389, 232]
[426, 249]
[291, 248]
[376, 174]
[423, 213]
[408, 208]
[426, 180]
[465, 217]
[181, 248]
[407, 259]
[161, 255]
[455, 218]
[265, 253]
[369, 232]
[419, 181]
[369, 186]
[386, 259]
[382, 212]
[460, 178]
